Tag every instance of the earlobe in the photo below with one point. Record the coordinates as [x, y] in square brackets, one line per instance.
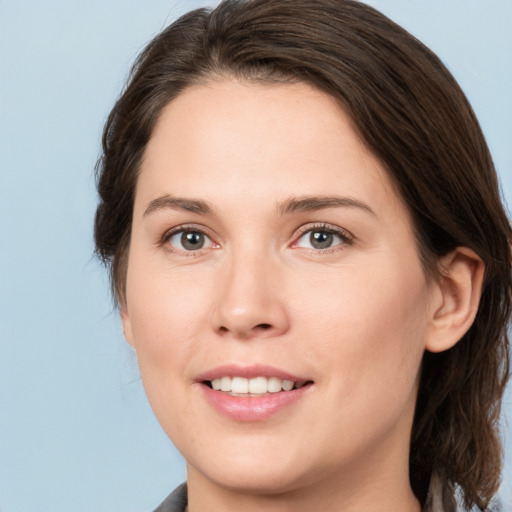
[456, 298]
[127, 326]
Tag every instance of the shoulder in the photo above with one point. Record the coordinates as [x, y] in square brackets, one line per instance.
[440, 496]
[175, 502]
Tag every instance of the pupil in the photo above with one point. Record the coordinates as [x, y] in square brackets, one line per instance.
[321, 239]
[192, 240]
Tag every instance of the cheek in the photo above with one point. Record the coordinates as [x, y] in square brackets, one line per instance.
[167, 315]
[365, 331]
[371, 322]
[167, 309]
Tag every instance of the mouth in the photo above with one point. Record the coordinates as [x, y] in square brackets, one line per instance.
[253, 393]
[254, 387]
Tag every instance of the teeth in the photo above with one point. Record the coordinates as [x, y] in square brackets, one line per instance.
[274, 385]
[239, 385]
[258, 385]
[254, 386]
[287, 385]
[225, 384]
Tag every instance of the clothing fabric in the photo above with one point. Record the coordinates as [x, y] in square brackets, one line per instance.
[436, 501]
[176, 501]
[439, 498]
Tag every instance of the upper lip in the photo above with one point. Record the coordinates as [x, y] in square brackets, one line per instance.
[249, 372]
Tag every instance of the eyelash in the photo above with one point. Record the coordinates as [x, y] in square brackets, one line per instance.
[346, 238]
[182, 230]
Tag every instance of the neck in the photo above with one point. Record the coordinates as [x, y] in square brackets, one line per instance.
[354, 492]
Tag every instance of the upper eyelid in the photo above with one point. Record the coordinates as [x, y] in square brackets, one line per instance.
[322, 226]
[164, 241]
[297, 233]
[186, 227]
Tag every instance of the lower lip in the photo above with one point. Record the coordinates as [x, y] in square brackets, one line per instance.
[256, 408]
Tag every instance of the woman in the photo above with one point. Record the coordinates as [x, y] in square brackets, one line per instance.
[311, 260]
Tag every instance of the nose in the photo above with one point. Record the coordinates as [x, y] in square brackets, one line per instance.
[251, 300]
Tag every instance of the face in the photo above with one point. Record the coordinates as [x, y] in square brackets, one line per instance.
[270, 251]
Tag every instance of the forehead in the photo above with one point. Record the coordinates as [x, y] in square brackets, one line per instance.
[224, 140]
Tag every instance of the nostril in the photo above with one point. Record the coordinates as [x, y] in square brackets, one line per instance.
[246, 332]
[263, 327]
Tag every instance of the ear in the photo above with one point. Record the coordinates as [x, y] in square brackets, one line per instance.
[127, 326]
[455, 298]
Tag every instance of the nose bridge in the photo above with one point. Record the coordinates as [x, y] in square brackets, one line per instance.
[249, 302]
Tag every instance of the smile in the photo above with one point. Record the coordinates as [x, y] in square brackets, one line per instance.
[252, 393]
[257, 386]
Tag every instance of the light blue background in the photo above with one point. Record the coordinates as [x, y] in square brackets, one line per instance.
[76, 433]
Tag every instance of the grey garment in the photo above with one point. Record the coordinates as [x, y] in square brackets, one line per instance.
[437, 501]
[176, 501]
[440, 498]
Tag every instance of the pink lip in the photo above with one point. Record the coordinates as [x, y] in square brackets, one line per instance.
[250, 409]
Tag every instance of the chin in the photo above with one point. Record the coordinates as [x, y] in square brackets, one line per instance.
[265, 480]
[263, 471]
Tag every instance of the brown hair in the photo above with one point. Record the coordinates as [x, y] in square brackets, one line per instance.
[413, 116]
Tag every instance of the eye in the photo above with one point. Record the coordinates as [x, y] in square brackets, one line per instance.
[322, 238]
[189, 240]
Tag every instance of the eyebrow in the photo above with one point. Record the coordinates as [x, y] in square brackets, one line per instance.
[288, 207]
[178, 203]
[312, 203]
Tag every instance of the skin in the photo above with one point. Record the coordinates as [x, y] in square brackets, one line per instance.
[355, 318]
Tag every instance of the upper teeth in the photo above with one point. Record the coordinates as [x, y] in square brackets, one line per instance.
[257, 385]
